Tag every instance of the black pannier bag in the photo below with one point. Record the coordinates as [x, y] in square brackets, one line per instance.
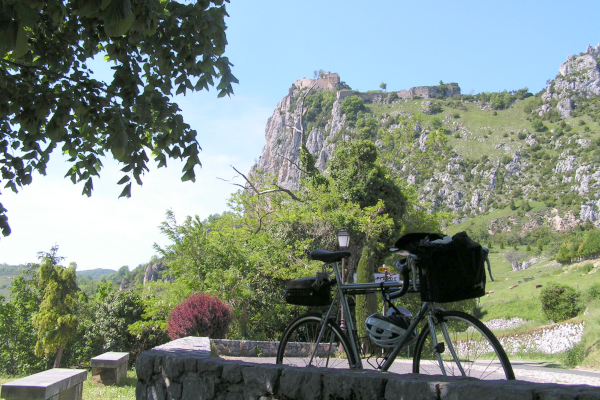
[308, 292]
[448, 271]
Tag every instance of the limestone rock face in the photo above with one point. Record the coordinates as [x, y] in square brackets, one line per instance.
[154, 272]
[578, 76]
[283, 132]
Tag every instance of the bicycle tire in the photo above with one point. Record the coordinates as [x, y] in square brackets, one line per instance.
[299, 340]
[479, 351]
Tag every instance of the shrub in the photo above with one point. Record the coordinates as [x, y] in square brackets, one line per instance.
[593, 292]
[538, 125]
[199, 315]
[560, 302]
[351, 106]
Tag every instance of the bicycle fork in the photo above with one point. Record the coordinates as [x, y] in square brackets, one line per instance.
[439, 348]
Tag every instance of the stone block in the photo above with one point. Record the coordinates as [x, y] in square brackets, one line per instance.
[141, 391]
[411, 386]
[174, 390]
[57, 383]
[261, 379]
[562, 392]
[144, 366]
[201, 388]
[354, 384]
[210, 366]
[232, 373]
[173, 367]
[156, 391]
[300, 383]
[485, 390]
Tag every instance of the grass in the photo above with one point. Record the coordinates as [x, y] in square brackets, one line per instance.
[125, 391]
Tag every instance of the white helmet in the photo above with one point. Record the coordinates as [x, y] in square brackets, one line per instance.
[387, 331]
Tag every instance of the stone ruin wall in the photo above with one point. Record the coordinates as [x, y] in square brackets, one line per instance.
[331, 81]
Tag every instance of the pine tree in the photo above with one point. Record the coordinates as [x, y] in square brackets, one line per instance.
[56, 321]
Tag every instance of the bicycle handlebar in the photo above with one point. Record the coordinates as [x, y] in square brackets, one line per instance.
[403, 268]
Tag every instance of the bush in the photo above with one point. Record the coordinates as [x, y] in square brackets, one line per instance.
[560, 302]
[538, 125]
[199, 315]
[351, 106]
[593, 292]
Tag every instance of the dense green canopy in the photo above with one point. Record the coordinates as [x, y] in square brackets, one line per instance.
[51, 98]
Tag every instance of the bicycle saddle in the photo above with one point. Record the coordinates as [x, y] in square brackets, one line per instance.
[328, 256]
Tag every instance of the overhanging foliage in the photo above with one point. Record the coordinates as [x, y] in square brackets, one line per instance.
[51, 98]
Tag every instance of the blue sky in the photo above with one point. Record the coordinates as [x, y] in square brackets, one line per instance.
[483, 46]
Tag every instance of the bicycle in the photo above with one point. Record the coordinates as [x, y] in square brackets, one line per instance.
[451, 343]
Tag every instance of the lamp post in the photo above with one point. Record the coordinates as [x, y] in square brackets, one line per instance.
[343, 241]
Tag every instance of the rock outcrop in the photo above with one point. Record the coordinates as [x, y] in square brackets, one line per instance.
[284, 134]
[154, 272]
[578, 76]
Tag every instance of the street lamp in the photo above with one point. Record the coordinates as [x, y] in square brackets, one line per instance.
[343, 241]
[343, 238]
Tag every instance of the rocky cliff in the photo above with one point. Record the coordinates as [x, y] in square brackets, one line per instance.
[284, 131]
[579, 76]
[464, 154]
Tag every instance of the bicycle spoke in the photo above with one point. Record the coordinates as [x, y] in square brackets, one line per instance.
[469, 349]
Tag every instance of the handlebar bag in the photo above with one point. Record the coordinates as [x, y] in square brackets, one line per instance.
[451, 271]
[306, 292]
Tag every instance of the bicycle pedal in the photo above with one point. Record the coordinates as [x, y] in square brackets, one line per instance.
[440, 348]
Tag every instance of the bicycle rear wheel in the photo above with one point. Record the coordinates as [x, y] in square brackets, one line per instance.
[478, 351]
[300, 340]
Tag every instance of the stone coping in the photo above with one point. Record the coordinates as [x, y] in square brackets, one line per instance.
[110, 359]
[43, 385]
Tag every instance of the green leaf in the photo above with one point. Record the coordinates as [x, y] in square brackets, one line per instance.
[126, 191]
[124, 180]
[189, 176]
[22, 45]
[118, 18]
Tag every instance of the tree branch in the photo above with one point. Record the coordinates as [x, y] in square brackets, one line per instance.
[258, 192]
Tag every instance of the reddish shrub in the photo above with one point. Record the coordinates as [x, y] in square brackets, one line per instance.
[199, 315]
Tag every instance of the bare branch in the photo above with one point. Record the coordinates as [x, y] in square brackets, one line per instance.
[292, 162]
[255, 190]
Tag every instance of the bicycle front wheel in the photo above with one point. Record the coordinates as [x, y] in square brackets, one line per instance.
[477, 352]
[299, 341]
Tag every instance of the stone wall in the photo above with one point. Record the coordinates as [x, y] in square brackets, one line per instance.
[184, 370]
[243, 348]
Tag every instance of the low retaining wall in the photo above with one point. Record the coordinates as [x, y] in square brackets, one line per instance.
[184, 370]
[244, 348]
[548, 339]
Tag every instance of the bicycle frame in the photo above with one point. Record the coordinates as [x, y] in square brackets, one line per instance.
[340, 300]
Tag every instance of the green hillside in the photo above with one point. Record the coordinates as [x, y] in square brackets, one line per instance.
[95, 273]
[7, 274]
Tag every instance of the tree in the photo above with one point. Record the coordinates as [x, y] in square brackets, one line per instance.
[56, 322]
[590, 246]
[383, 86]
[17, 334]
[351, 106]
[514, 257]
[560, 302]
[52, 99]
[566, 252]
[365, 305]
